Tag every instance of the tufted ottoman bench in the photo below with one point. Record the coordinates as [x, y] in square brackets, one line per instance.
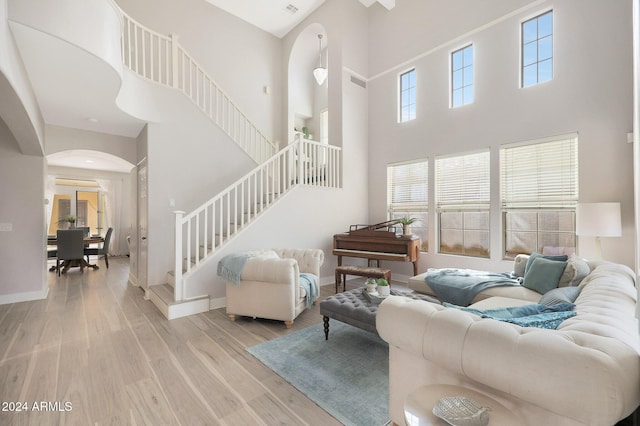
[353, 308]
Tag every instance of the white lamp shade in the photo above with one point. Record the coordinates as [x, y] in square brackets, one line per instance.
[320, 74]
[598, 220]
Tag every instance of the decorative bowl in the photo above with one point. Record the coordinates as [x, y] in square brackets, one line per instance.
[461, 411]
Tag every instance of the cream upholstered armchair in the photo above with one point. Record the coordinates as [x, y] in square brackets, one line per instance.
[271, 285]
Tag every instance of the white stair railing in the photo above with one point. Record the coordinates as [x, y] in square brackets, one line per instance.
[162, 60]
[199, 234]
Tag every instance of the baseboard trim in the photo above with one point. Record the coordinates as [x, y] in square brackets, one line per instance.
[6, 299]
[186, 308]
[220, 302]
[133, 280]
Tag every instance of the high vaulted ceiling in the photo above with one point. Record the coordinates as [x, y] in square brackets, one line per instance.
[93, 108]
[278, 17]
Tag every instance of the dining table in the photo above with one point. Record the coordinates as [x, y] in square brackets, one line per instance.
[52, 240]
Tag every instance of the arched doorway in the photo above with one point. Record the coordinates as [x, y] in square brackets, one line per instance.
[93, 188]
[308, 101]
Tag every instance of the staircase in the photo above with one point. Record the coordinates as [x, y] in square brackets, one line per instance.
[203, 232]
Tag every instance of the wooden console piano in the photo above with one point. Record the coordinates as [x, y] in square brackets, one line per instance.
[377, 242]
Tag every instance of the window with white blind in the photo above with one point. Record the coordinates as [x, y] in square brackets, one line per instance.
[408, 195]
[463, 202]
[539, 194]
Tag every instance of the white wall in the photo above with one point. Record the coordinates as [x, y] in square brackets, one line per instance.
[591, 93]
[21, 178]
[22, 250]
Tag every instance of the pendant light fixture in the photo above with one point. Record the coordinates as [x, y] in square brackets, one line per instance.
[320, 72]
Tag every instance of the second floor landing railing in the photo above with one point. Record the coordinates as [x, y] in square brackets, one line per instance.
[161, 59]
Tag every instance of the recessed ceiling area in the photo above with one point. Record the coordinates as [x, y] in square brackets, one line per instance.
[88, 159]
[278, 17]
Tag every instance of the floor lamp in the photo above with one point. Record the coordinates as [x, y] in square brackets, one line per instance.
[598, 220]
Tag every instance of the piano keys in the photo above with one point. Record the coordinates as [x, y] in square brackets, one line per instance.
[377, 242]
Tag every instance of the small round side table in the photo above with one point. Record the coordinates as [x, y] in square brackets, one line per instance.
[420, 402]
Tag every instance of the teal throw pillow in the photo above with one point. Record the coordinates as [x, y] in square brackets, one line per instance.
[560, 295]
[534, 256]
[543, 274]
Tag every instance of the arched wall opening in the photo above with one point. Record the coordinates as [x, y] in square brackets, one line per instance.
[308, 102]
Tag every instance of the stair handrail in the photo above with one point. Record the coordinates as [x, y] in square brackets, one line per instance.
[162, 60]
[302, 162]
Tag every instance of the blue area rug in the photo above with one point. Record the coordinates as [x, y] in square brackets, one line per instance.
[347, 375]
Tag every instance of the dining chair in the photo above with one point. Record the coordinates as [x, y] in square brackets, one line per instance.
[70, 247]
[101, 251]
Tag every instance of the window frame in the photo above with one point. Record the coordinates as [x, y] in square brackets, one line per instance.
[452, 88]
[482, 203]
[564, 206]
[396, 210]
[522, 66]
[412, 90]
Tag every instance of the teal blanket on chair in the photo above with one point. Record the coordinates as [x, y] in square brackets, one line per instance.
[230, 267]
[310, 285]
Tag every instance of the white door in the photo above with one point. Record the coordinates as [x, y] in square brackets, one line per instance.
[142, 224]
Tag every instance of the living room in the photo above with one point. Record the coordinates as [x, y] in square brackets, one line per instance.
[591, 94]
[502, 113]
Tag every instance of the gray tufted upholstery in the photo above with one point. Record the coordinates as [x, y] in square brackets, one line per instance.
[353, 308]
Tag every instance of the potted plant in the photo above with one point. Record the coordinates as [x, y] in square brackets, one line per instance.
[406, 224]
[70, 220]
[383, 287]
[371, 285]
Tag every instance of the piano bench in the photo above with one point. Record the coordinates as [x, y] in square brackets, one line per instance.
[360, 271]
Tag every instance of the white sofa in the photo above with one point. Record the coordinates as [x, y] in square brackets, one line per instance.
[270, 284]
[418, 283]
[585, 372]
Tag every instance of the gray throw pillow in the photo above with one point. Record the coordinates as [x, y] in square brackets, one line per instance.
[560, 295]
[543, 274]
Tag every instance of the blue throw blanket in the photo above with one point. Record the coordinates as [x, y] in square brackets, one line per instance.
[460, 286]
[533, 315]
[310, 285]
[230, 267]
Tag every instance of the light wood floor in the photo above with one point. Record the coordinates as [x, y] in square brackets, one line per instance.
[96, 352]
